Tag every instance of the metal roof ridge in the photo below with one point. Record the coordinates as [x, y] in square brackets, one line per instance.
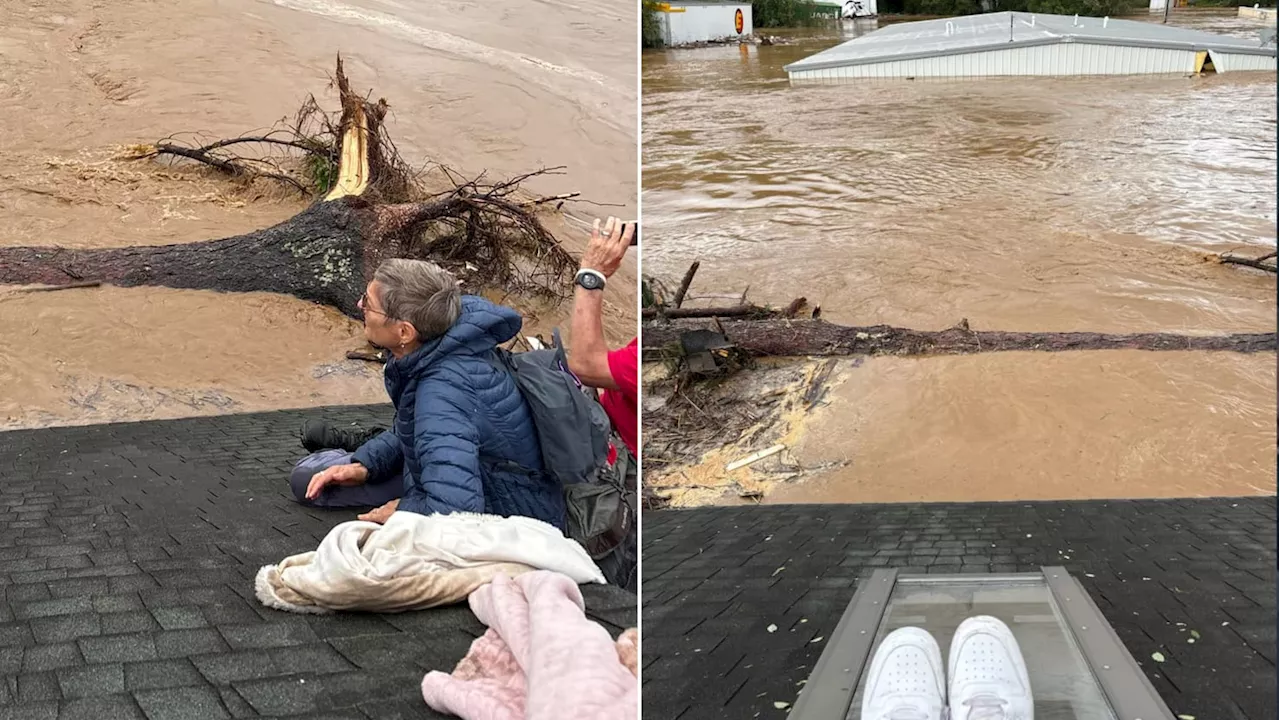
[984, 33]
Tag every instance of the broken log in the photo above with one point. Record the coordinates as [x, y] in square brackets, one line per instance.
[1258, 262]
[685, 283]
[782, 337]
[373, 210]
[379, 356]
[726, 312]
[55, 288]
[734, 311]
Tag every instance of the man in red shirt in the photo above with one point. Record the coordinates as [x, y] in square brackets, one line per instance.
[614, 372]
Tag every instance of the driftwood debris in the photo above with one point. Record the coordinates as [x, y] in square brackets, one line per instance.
[674, 311]
[783, 337]
[369, 206]
[755, 457]
[685, 283]
[763, 331]
[714, 392]
[1258, 262]
[678, 313]
[369, 355]
[55, 288]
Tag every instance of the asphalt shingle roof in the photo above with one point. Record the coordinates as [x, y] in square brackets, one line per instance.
[714, 579]
[127, 557]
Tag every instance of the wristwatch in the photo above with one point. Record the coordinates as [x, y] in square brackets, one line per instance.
[589, 279]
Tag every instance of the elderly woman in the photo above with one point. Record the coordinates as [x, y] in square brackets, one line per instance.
[463, 438]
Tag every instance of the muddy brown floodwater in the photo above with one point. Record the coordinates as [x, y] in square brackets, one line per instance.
[1021, 204]
[503, 89]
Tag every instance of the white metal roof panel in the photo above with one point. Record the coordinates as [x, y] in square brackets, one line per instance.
[992, 31]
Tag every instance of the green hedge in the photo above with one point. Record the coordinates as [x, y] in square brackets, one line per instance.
[764, 14]
[650, 29]
[783, 13]
[940, 7]
[1097, 8]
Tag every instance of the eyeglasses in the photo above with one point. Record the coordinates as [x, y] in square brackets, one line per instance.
[364, 303]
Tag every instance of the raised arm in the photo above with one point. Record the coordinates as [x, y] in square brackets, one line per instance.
[588, 352]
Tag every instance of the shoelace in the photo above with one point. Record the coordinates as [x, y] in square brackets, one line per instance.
[985, 707]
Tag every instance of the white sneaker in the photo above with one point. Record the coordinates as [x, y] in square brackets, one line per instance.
[905, 681]
[988, 674]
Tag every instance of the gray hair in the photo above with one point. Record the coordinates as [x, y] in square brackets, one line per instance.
[421, 293]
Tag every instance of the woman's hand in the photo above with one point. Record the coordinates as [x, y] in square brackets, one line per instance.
[382, 514]
[350, 474]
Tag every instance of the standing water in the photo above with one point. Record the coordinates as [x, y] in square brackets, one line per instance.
[1052, 204]
[505, 89]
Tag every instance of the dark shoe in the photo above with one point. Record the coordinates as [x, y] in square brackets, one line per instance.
[319, 435]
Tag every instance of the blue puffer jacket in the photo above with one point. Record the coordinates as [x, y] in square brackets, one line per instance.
[460, 425]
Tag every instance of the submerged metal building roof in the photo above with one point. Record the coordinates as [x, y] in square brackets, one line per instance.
[1011, 44]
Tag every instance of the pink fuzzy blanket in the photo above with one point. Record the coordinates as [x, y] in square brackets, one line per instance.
[541, 658]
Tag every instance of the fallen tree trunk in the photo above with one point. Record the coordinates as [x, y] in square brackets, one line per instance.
[782, 337]
[324, 254]
[373, 210]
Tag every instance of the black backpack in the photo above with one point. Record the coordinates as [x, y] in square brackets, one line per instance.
[573, 433]
[573, 429]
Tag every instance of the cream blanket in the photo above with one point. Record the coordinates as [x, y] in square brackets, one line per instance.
[417, 561]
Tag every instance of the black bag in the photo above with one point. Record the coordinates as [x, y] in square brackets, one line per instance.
[573, 434]
[611, 505]
[573, 429]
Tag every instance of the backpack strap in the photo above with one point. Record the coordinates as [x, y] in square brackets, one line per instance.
[500, 362]
[505, 465]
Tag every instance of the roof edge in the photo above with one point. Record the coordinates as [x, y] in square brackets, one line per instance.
[1055, 39]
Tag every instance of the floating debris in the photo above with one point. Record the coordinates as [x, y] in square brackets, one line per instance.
[782, 705]
[1158, 657]
[754, 457]
[772, 628]
[816, 640]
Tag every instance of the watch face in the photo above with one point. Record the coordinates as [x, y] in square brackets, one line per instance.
[589, 281]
